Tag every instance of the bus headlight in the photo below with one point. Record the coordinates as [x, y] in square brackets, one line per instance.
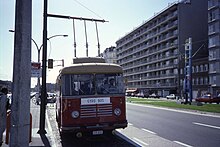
[75, 114]
[117, 111]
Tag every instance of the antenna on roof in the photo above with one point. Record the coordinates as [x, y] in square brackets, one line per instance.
[97, 39]
[74, 37]
[86, 39]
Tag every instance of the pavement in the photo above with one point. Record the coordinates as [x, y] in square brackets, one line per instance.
[141, 138]
[38, 140]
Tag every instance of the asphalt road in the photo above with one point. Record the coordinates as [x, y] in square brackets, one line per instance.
[69, 139]
[184, 128]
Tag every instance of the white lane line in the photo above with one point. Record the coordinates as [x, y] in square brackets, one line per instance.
[206, 125]
[129, 124]
[140, 142]
[148, 131]
[183, 144]
[50, 130]
[119, 130]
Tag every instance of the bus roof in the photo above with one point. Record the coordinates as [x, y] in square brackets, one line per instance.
[84, 68]
[88, 60]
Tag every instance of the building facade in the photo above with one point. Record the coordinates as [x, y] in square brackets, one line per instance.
[109, 55]
[152, 55]
[214, 45]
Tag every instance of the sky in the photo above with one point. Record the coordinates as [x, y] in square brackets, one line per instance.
[123, 16]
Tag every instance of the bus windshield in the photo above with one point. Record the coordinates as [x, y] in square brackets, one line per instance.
[91, 84]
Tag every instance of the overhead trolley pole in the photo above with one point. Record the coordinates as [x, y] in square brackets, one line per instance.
[84, 19]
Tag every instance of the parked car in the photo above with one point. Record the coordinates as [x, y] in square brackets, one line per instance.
[171, 96]
[208, 99]
[153, 95]
[139, 95]
[51, 97]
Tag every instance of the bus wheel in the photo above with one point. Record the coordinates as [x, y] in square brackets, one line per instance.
[110, 132]
[79, 134]
[113, 132]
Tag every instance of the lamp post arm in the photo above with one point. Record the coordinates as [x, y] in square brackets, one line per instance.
[56, 36]
[35, 44]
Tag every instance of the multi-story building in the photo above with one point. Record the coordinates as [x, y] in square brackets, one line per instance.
[109, 55]
[200, 78]
[152, 55]
[214, 45]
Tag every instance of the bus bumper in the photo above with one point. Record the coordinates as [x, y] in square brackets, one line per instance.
[94, 127]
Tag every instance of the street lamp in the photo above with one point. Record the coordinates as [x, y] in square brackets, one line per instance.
[38, 51]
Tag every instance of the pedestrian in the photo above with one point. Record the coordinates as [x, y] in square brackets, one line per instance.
[3, 111]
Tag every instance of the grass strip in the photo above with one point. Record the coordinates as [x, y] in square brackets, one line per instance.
[215, 108]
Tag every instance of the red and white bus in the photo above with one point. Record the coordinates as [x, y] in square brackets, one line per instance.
[91, 97]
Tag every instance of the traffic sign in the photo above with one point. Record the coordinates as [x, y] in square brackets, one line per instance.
[35, 69]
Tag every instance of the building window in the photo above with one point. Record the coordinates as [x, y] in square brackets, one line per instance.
[201, 68]
[197, 68]
[206, 80]
[175, 71]
[212, 54]
[206, 67]
[212, 28]
[212, 79]
[213, 41]
[197, 81]
[212, 3]
[193, 69]
[212, 67]
[213, 15]
[201, 81]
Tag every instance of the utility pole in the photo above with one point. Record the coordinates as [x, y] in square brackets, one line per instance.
[44, 74]
[20, 108]
[188, 71]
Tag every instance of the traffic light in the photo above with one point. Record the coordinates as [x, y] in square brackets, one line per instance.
[50, 63]
[62, 62]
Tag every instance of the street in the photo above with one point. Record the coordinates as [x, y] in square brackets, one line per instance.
[69, 139]
[187, 129]
[148, 126]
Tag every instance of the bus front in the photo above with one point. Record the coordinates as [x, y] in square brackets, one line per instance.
[92, 102]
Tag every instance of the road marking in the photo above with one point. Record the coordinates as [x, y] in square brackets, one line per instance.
[119, 130]
[138, 141]
[183, 144]
[148, 131]
[50, 130]
[206, 125]
[129, 124]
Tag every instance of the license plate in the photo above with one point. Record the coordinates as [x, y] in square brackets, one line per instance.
[93, 101]
[99, 132]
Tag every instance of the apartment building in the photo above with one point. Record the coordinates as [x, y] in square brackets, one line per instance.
[214, 45]
[109, 55]
[152, 55]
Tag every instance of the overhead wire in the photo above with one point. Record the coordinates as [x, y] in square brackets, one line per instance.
[86, 30]
[88, 9]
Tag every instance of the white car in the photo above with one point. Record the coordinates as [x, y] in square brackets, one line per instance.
[171, 96]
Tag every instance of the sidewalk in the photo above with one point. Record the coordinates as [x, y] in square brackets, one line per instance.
[37, 139]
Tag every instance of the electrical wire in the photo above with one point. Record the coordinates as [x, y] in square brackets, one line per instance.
[88, 9]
